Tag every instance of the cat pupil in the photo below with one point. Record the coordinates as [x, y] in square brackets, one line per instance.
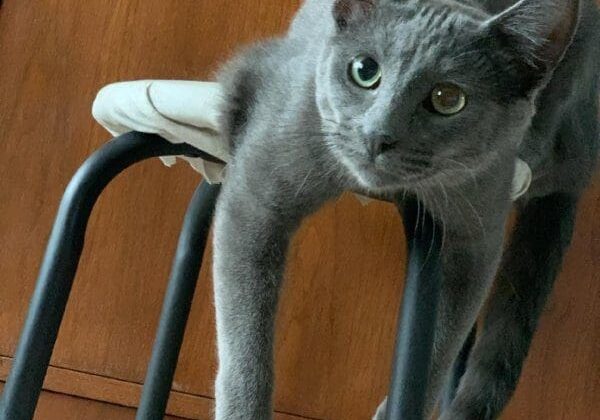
[365, 72]
[447, 99]
[368, 69]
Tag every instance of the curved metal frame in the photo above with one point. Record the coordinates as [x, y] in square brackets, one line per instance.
[59, 266]
[24, 384]
[177, 303]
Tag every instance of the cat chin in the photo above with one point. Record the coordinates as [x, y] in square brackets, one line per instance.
[375, 182]
[372, 180]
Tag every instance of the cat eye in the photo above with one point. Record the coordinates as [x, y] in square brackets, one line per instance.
[365, 72]
[447, 99]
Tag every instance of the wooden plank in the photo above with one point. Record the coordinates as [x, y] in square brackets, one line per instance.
[111, 390]
[114, 391]
[56, 406]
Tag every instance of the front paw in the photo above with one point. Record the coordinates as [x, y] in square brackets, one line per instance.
[380, 414]
[473, 412]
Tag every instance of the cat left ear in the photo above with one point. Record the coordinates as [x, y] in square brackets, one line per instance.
[348, 11]
[539, 30]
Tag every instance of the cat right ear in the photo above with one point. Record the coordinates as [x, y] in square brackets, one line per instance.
[348, 11]
[540, 31]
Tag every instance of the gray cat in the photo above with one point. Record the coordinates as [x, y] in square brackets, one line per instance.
[431, 99]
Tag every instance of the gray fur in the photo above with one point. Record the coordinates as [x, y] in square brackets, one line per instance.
[301, 131]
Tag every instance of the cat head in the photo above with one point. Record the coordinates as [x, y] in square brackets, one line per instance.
[417, 91]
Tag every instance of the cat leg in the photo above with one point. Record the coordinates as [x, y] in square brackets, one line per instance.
[531, 263]
[457, 371]
[254, 220]
[469, 266]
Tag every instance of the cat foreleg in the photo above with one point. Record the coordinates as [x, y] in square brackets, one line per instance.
[526, 277]
[254, 221]
[469, 265]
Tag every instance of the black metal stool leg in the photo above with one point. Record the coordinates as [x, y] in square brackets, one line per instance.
[416, 325]
[53, 286]
[177, 303]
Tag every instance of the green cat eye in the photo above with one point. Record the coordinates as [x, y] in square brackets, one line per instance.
[365, 72]
[448, 99]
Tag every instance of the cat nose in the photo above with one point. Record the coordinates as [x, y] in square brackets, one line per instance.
[379, 143]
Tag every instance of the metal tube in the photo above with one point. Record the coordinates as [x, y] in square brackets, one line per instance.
[418, 313]
[24, 384]
[177, 303]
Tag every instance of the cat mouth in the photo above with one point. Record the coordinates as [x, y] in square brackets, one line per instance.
[374, 174]
[371, 175]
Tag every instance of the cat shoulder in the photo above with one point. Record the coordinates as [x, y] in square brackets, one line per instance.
[242, 78]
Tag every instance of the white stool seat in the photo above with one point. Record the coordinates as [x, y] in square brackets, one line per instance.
[179, 111]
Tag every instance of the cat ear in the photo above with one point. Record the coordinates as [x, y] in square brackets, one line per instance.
[539, 30]
[347, 11]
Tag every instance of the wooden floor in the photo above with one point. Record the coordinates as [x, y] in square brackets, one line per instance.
[344, 282]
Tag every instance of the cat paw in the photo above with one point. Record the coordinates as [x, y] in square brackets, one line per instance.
[467, 413]
[380, 413]
[453, 415]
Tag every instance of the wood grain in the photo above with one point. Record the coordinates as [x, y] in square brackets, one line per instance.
[57, 406]
[126, 394]
[336, 327]
[122, 393]
[60, 406]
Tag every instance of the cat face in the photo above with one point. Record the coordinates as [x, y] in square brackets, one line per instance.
[426, 91]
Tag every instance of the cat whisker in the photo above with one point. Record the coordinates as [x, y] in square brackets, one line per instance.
[463, 168]
[446, 203]
[473, 210]
[433, 226]
[418, 211]
[453, 205]
[303, 182]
